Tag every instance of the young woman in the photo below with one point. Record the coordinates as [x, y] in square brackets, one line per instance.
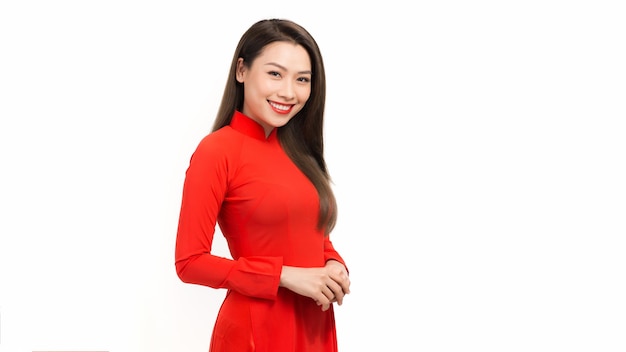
[261, 176]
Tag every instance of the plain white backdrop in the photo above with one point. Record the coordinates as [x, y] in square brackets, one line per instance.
[477, 149]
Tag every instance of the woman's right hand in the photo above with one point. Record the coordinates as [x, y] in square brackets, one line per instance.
[323, 285]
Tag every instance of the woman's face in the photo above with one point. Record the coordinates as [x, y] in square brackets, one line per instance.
[276, 85]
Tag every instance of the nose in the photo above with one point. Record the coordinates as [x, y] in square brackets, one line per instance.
[286, 90]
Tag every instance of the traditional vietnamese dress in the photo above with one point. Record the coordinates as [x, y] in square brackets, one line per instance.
[267, 210]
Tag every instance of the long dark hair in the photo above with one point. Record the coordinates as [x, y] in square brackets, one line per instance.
[302, 137]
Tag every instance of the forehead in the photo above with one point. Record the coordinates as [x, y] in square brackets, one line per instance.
[286, 54]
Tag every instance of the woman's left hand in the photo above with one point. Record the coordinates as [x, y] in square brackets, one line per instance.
[339, 274]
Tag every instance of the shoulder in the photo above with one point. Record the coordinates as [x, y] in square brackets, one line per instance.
[215, 158]
[216, 153]
[219, 144]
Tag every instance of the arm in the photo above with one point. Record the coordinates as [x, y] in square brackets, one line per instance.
[331, 254]
[204, 190]
[338, 271]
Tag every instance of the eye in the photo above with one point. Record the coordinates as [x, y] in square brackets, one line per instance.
[274, 73]
[304, 79]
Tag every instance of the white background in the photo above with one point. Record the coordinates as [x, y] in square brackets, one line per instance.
[477, 148]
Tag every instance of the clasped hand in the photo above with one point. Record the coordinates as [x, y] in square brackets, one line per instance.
[324, 285]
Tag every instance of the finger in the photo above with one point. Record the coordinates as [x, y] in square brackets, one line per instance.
[329, 294]
[324, 306]
[343, 280]
[337, 291]
[345, 284]
[322, 297]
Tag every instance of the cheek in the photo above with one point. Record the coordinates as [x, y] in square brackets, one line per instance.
[258, 89]
[304, 94]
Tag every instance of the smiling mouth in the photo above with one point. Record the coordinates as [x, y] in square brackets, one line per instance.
[281, 108]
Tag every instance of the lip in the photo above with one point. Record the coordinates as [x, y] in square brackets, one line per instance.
[280, 108]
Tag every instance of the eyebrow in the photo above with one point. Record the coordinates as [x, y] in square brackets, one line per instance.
[285, 69]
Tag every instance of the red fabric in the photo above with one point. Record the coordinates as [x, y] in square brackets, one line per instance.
[267, 210]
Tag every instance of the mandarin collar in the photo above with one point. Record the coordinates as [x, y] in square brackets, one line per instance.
[244, 124]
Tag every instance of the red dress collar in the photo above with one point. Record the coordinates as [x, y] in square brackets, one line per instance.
[249, 127]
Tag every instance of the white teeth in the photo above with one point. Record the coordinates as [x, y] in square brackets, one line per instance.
[280, 107]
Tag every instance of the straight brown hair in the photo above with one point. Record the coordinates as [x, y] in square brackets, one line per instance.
[302, 137]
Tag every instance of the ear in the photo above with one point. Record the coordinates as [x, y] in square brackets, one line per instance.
[241, 70]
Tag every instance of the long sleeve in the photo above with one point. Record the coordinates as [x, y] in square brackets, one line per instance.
[204, 190]
[331, 254]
